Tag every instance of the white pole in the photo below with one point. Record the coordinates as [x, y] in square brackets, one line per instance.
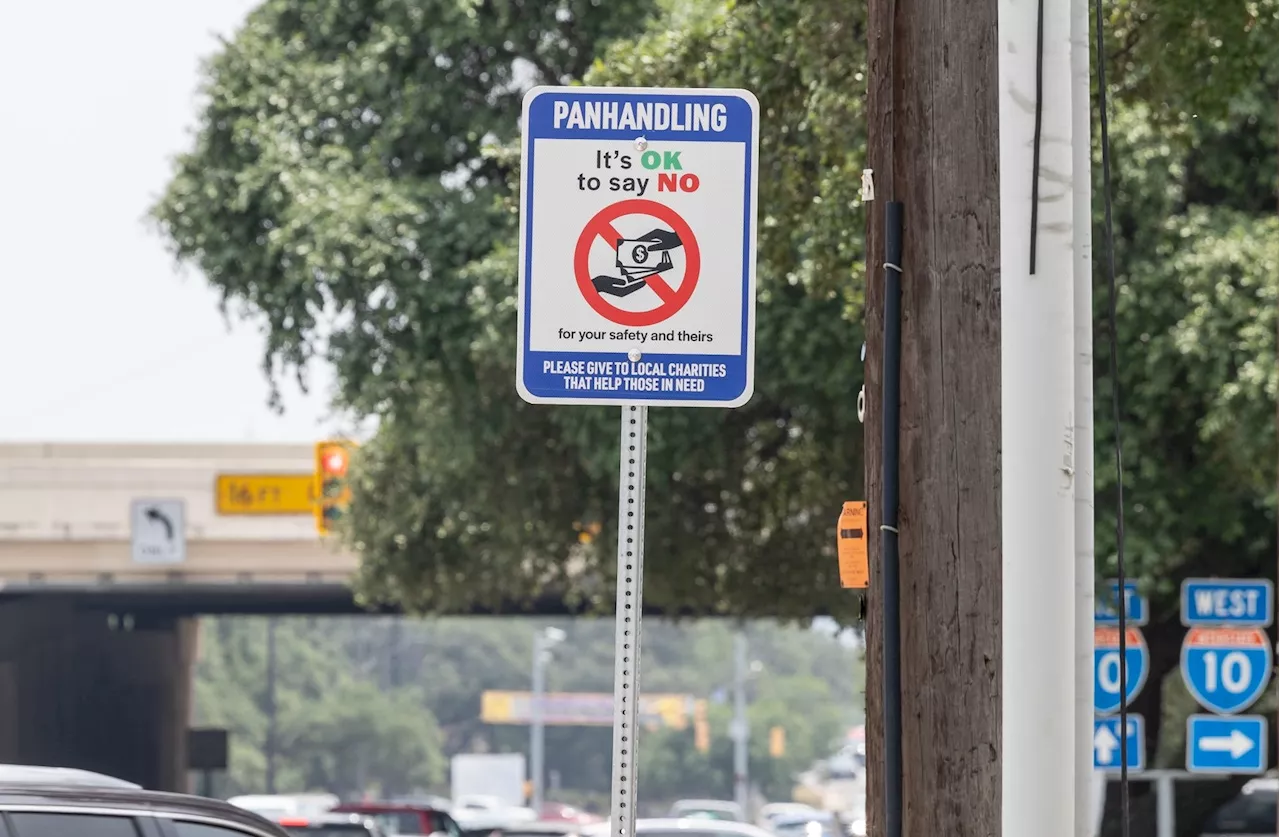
[1165, 812]
[1038, 407]
[537, 727]
[1082, 208]
[741, 727]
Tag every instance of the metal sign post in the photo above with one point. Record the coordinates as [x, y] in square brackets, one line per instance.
[626, 631]
[637, 289]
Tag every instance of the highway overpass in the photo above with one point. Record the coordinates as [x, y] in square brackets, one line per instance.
[66, 528]
[97, 641]
[98, 630]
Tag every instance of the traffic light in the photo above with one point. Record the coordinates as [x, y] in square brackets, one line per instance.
[777, 742]
[333, 491]
[701, 729]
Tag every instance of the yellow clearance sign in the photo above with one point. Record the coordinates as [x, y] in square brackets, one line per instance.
[265, 494]
[583, 709]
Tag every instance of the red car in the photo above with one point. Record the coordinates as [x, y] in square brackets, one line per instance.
[560, 812]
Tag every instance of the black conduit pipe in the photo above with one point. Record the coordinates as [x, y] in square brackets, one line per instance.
[889, 519]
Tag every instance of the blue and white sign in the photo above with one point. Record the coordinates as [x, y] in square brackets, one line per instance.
[1227, 745]
[1110, 747]
[1106, 667]
[638, 246]
[1236, 602]
[1226, 669]
[1135, 605]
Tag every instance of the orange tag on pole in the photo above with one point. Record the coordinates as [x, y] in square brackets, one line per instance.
[851, 545]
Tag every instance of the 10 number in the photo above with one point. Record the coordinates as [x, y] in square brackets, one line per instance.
[1236, 672]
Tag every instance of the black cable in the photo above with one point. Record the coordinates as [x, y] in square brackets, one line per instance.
[1035, 140]
[1109, 233]
[890, 396]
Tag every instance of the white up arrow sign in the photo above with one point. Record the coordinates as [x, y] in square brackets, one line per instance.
[1105, 744]
[1237, 744]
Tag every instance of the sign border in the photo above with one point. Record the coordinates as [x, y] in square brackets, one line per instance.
[750, 245]
[221, 511]
[180, 537]
[1195, 693]
[1226, 771]
[1142, 742]
[1144, 612]
[1142, 681]
[1201, 623]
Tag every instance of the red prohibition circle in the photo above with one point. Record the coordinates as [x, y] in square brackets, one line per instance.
[673, 299]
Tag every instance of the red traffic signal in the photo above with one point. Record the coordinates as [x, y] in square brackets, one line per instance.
[333, 458]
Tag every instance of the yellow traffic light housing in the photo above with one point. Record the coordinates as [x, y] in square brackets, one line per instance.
[333, 489]
[777, 742]
[701, 729]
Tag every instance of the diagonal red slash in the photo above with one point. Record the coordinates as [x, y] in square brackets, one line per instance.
[611, 236]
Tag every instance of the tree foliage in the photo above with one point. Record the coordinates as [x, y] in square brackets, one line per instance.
[379, 704]
[324, 192]
[334, 730]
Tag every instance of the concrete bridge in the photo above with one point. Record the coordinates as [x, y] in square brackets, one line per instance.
[97, 647]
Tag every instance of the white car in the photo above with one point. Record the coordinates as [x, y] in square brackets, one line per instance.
[719, 809]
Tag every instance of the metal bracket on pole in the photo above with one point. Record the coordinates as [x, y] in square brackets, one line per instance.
[626, 636]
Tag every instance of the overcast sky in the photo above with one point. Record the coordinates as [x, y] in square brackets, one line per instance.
[101, 338]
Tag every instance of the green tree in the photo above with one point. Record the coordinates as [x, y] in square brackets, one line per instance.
[335, 731]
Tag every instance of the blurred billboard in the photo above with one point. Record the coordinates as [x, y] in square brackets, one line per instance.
[583, 709]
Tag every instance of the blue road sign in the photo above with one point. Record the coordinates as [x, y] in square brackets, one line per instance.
[637, 277]
[1106, 667]
[1226, 669]
[1237, 602]
[1227, 745]
[1109, 746]
[1136, 611]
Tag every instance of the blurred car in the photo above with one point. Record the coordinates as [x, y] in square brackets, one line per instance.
[856, 818]
[477, 814]
[1251, 814]
[768, 813]
[399, 819]
[273, 806]
[37, 803]
[560, 812]
[332, 825]
[810, 824]
[562, 828]
[713, 809]
[848, 763]
[696, 827]
[24, 774]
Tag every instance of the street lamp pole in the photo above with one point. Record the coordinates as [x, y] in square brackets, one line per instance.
[741, 727]
[543, 641]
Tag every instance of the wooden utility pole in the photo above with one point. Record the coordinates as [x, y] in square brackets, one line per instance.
[970, 129]
[933, 144]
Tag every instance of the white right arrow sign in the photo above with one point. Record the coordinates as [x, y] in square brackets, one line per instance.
[1237, 744]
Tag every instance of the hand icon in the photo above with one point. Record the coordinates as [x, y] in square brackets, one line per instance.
[661, 240]
[616, 286]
